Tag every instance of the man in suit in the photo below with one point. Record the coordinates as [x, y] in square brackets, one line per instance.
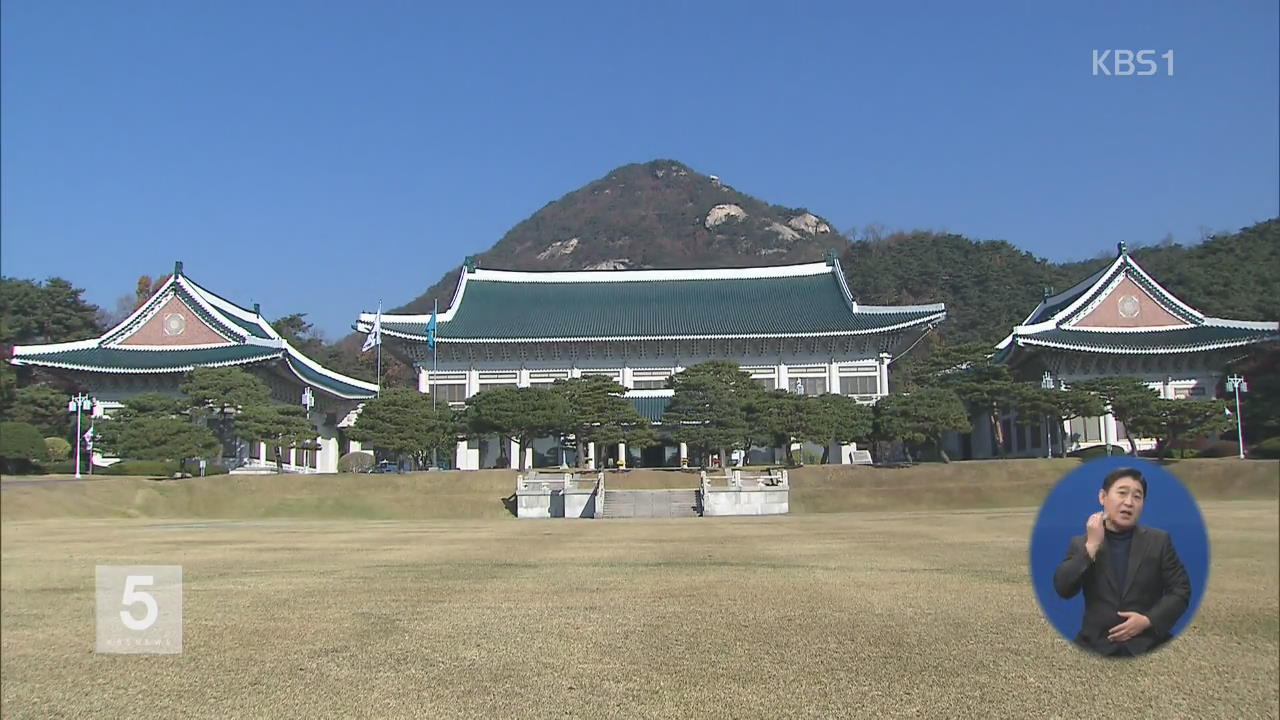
[1135, 587]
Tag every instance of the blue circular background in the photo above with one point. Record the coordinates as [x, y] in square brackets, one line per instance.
[1169, 507]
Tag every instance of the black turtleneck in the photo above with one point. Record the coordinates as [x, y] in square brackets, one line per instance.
[1118, 544]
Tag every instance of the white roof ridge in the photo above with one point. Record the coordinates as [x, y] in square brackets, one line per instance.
[601, 276]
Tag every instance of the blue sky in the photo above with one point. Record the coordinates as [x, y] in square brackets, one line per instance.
[317, 156]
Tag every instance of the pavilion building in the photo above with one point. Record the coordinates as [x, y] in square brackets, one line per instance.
[183, 326]
[794, 328]
[1117, 322]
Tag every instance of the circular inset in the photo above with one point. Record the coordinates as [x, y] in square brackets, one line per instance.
[1129, 306]
[174, 324]
[1126, 585]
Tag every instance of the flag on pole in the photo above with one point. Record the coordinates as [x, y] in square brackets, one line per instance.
[375, 333]
[431, 330]
[88, 438]
[1226, 411]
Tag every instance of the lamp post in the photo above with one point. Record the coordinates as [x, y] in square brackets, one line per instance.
[1237, 384]
[1046, 382]
[308, 402]
[79, 403]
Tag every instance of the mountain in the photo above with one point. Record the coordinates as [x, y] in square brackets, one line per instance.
[990, 286]
[659, 214]
[662, 214]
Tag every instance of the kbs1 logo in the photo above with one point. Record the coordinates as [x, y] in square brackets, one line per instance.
[1123, 63]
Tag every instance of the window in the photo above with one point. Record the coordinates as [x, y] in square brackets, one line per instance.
[649, 384]
[451, 393]
[767, 383]
[808, 385]
[860, 385]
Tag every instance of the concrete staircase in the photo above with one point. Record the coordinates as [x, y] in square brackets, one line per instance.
[650, 503]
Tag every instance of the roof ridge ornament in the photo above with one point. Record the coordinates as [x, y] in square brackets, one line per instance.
[177, 268]
[1122, 248]
[469, 264]
[830, 257]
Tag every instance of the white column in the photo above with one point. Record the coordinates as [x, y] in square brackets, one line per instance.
[424, 380]
[783, 379]
[522, 377]
[626, 376]
[473, 381]
[327, 462]
[592, 460]
[883, 370]
[1109, 430]
[684, 454]
[622, 454]
[833, 377]
[465, 458]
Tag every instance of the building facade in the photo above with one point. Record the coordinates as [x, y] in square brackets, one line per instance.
[795, 328]
[1117, 322]
[183, 326]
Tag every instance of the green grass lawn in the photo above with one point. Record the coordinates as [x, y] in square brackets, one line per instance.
[837, 614]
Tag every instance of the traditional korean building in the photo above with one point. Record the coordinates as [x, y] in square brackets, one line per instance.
[795, 328]
[184, 326]
[1118, 322]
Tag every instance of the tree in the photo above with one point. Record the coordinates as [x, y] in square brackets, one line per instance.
[1130, 401]
[402, 422]
[279, 426]
[21, 447]
[48, 312]
[519, 414]
[153, 426]
[968, 370]
[848, 421]
[1171, 421]
[1260, 406]
[600, 414]
[709, 409]
[301, 334]
[923, 415]
[43, 406]
[1033, 402]
[212, 389]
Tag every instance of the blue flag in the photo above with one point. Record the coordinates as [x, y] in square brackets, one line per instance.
[431, 330]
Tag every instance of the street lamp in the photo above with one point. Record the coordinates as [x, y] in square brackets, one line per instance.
[1236, 384]
[308, 402]
[79, 403]
[1046, 382]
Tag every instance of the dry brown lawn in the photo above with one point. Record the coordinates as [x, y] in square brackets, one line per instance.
[859, 614]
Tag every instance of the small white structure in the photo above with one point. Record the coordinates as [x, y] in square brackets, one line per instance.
[746, 493]
[559, 494]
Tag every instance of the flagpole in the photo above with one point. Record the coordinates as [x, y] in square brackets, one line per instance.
[435, 306]
[379, 344]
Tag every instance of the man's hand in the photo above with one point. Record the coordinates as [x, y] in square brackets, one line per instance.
[1132, 626]
[1094, 532]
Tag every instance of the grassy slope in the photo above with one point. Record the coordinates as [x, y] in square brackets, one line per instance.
[480, 495]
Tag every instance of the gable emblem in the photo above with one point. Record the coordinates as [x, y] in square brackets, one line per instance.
[174, 324]
[1129, 307]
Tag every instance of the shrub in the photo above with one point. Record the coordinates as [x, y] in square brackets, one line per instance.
[57, 448]
[355, 462]
[21, 447]
[1269, 448]
[1220, 449]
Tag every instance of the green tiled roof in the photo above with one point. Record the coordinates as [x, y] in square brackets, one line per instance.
[1198, 337]
[809, 304]
[117, 359]
[329, 383]
[652, 408]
